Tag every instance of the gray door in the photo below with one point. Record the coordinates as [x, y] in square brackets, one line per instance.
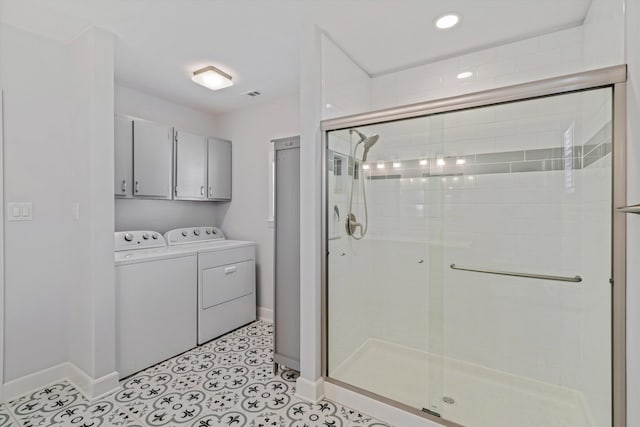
[287, 250]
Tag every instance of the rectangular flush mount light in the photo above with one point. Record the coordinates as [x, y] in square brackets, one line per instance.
[212, 78]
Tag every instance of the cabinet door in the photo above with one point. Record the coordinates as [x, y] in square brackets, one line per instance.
[191, 166]
[123, 145]
[152, 154]
[219, 169]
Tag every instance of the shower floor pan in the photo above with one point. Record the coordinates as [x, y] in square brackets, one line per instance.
[482, 397]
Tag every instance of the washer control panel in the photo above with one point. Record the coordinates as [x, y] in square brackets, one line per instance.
[142, 239]
[193, 235]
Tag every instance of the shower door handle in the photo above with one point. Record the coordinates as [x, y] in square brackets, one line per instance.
[575, 279]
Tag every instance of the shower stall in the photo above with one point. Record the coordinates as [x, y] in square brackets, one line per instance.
[475, 260]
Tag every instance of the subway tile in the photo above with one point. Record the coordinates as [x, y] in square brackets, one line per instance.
[507, 156]
[486, 168]
[552, 153]
[530, 166]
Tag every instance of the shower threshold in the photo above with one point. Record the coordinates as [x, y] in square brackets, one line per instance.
[476, 396]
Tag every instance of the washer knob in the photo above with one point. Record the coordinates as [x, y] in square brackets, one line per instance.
[128, 237]
[214, 231]
[154, 236]
[184, 233]
[145, 236]
[196, 232]
[208, 231]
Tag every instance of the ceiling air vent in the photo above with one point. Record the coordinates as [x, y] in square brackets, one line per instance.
[254, 93]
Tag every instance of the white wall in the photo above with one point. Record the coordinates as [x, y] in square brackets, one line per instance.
[633, 221]
[535, 58]
[347, 88]
[58, 136]
[604, 33]
[41, 163]
[91, 294]
[245, 217]
[163, 215]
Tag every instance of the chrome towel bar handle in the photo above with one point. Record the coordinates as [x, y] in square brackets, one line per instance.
[575, 279]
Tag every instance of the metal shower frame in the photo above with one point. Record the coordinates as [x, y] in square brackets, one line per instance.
[614, 77]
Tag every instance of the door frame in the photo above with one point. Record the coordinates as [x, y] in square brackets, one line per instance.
[2, 319]
[614, 77]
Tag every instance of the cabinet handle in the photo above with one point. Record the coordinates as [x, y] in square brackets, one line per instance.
[124, 186]
[210, 192]
[137, 187]
[202, 190]
[230, 270]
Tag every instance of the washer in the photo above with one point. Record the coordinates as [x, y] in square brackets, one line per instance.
[226, 279]
[156, 291]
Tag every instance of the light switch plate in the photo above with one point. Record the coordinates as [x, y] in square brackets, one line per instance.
[21, 211]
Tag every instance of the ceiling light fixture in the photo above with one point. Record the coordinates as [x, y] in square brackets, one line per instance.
[447, 21]
[212, 78]
[464, 75]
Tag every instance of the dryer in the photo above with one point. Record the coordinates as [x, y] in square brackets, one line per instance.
[226, 279]
[155, 300]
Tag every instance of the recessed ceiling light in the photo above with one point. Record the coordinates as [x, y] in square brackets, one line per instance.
[397, 164]
[447, 21]
[423, 162]
[380, 166]
[365, 166]
[460, 161]
[212, 78]
[465, 75]
[441, 162]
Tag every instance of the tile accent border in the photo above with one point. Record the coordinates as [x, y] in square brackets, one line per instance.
[535, 160]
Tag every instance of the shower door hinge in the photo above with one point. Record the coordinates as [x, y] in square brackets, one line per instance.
[611, 281]
[430, 412]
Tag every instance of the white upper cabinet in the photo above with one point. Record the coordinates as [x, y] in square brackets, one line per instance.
[219, 169]
[123, 145]
[152, 160]
[190, 166]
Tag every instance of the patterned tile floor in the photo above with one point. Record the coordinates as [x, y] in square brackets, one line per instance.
[226, 382]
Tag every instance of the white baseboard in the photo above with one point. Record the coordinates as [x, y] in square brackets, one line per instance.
[28, 383]
[92, 388]
[265, 314]
[374, 408]
[311, 391]
[89, 387]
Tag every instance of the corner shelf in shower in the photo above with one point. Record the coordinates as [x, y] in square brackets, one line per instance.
[630, 209]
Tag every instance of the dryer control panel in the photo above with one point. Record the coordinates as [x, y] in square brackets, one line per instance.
[193, 235]
[139, 239]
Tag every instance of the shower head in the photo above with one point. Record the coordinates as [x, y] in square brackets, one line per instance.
[368, 143]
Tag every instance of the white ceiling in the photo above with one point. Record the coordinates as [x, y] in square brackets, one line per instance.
[160, 42]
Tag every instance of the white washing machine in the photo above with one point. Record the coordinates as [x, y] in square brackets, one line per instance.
[155, 300]
[226, 279]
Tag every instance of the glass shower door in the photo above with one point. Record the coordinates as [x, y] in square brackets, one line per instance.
[384, 261]
[469, 258]
[527, 257]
